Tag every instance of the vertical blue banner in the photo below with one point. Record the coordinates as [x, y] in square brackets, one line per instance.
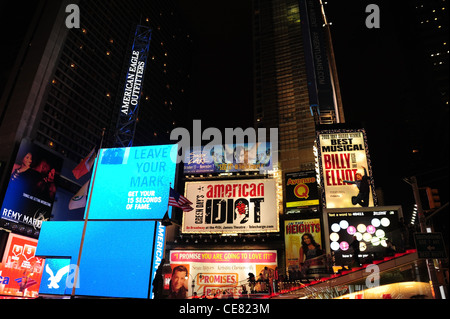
[158, 251]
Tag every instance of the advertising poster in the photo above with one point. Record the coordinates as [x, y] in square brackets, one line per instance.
[31, 189]
[355, 236]
[218, 273]
[232, 206]
[305, 255]
[229, 158]
[116, 261]
[346, 174]
[55, 277]
[133, 182]
[301, 189]
[20, 270]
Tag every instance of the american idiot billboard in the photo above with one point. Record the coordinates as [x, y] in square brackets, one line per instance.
[343, 162]
[232, 206]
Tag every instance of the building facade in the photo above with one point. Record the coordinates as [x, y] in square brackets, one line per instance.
[283, 96]
[62, 87]
[282, 86]
[67, 83]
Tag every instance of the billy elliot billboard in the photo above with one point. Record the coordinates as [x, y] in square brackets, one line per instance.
[344, 168]
[235, 206]
[31, 189]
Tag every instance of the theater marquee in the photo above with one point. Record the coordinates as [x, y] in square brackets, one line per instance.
[344, 168]
[237, 206]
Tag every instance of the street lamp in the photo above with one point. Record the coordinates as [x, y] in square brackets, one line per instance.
[423, 229]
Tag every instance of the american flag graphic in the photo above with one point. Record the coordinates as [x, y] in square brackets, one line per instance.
[25, 282]
[177, 200]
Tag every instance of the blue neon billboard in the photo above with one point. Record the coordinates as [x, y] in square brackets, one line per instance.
[132, 182]
[116, 259]
[54, 276]
[124, 240]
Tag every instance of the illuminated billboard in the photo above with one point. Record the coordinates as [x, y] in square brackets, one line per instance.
[305, 253]
[132, 182]
[116, 260]
[229, 158]
[232, 206]
[215, 272]
[31, 189]
[301, 189]
[55, 277]
[343, 163]
[20, 270]
[369, 230]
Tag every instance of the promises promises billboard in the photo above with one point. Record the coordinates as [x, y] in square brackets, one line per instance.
[344, 165]
[236, 206]
[217, 272]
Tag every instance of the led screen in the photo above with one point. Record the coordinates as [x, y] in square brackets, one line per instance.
[373, 230]
[54, 276]
[31, 189]
[116, 259]
[132, 182]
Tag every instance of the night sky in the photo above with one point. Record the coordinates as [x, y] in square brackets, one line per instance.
[383, 73]
[222, 83]
[385, 84]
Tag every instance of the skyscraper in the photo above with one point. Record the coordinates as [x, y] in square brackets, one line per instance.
[432, 21]
[283, 88]
[66, 84]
